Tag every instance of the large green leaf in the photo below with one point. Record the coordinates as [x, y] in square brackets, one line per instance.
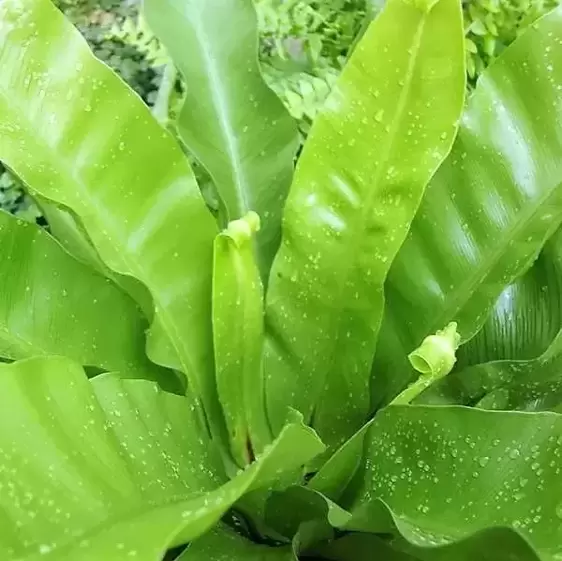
[112, 469]
[222, 544]
[335, 475]
[52, 304]
[523, 321]
[490, 384]
[231, 121]
[386, 126]
[238, 338]
[78, 136]
[527, 395]
[453, 474]
[362, 547]
[294, 509]
[535, 323]
[488, 210]
[527, 315]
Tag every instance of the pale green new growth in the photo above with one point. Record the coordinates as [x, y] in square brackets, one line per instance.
[242, 230]
[434, 359]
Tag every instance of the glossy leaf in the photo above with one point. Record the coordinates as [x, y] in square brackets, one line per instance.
[386, 126]
[527, 395]
[52, 304]
[65, 227]
[223, 544]
[449, 474]
[362, 547]
[112, 468]
[488, 210]
[526, 317]
[231, 121]
[524, 320]
[471, 385]
[507, 384]
[78, 136]
[238, 338]
[335, 475]
[289, 510]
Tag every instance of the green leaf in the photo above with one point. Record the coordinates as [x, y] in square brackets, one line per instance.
[523, 327]
[525, 318]
[478, 27]
[449, 474]
[78, 136]
[231, 121]
[65, 227]
[527, 395]
[54, 305]
[288, 510]
[488, 210]
[362, 547]
[335, 475]
[112, 468]
[224, 544]
[491, 384]
[385, 128]
[238, 338]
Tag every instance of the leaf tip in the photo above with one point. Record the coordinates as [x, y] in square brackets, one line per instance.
[436, 356]
[241, 230]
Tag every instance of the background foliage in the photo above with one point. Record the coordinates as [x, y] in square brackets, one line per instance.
[303, 45]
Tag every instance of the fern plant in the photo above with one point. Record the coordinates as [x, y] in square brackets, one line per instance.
[310, 372]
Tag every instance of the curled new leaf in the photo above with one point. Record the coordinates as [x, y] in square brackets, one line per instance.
[434, 359]
[238, 338]
[436, 356]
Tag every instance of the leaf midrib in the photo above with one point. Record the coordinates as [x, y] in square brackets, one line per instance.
[388, 150]
[468, 288]
[223, 110]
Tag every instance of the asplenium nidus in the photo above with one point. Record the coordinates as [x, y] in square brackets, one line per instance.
[241, 382]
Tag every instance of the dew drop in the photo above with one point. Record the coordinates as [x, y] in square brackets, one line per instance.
[559, 510]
